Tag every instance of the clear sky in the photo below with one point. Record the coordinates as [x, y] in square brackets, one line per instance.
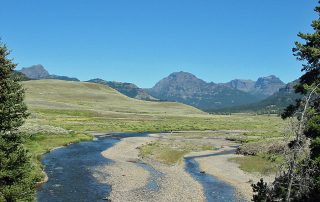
[142, 41]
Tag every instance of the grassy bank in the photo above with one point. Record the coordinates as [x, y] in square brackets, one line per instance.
[263, 153]
[262, 163]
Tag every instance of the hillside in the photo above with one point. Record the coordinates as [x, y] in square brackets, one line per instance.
[55, 94]
[88, 107]
[128, 89]
[187, 88]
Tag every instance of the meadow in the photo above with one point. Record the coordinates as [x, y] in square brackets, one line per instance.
[62, 112]
[87, 107]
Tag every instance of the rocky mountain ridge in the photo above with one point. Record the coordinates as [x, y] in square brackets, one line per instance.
[187, 88]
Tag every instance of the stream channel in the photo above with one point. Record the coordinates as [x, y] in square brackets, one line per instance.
[73, 175]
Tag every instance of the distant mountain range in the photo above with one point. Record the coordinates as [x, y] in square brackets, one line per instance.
[187, 88]
[266, 94]
[39, 72]
[263, 87]
[275, 103]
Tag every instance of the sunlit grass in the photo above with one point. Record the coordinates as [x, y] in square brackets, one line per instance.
[82, 108]
[86, 107]
[258, 164]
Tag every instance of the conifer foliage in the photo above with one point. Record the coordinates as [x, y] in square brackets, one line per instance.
[300, 178]
[16, 180]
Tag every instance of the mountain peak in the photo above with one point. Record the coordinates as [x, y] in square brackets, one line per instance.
[35, 72]
[182, 74]
[271, 78]
[39, 72]
[184, 81]
[268, 85]
[241, 84]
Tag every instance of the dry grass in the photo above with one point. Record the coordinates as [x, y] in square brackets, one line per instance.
[85, 107]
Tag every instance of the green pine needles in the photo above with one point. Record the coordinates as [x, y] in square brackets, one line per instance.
[300, 178]
[16, 180]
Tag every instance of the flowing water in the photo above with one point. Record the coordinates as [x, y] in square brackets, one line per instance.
[73, 174]
[214, 189]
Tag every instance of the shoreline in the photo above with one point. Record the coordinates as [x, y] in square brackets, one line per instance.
[218, 166]
[45, 177]
[229, 172]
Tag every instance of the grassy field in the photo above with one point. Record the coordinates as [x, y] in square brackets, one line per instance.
[262, 163]
[60, 108]
[86, 107]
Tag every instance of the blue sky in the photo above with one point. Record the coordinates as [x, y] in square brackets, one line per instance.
[142, 41]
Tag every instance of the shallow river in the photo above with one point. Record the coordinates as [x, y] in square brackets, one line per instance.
[73, 174]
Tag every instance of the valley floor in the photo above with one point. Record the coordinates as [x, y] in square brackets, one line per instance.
[163, 181]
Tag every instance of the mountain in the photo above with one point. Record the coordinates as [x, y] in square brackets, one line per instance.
[35, 72]
[268, 85]
[242, 85]
[186, 88]
[38, 72]
[263, 87]
[21, 75]
[275, 103]
[128, 89]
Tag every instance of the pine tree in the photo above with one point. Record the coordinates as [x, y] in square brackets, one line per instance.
[301, 180]
[309, 52]
[16, 181]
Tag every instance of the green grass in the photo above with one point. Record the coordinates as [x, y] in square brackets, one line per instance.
[84, 121]
[86, 107]
[171, 156]
[264, 164]
[67, 95]
[40, 144]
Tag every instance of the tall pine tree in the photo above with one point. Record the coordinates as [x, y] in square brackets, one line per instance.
[16, 181]
[301, 182]
[309, 53]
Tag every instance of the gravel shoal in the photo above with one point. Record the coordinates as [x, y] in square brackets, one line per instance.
[227, 171]
[129, 180]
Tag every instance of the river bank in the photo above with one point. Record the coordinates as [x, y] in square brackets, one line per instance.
[111, 167]
[217, 163]
[129, 180]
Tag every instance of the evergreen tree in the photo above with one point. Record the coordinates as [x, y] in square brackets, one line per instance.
[309, 52]
[16, 181]
[301, 182]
